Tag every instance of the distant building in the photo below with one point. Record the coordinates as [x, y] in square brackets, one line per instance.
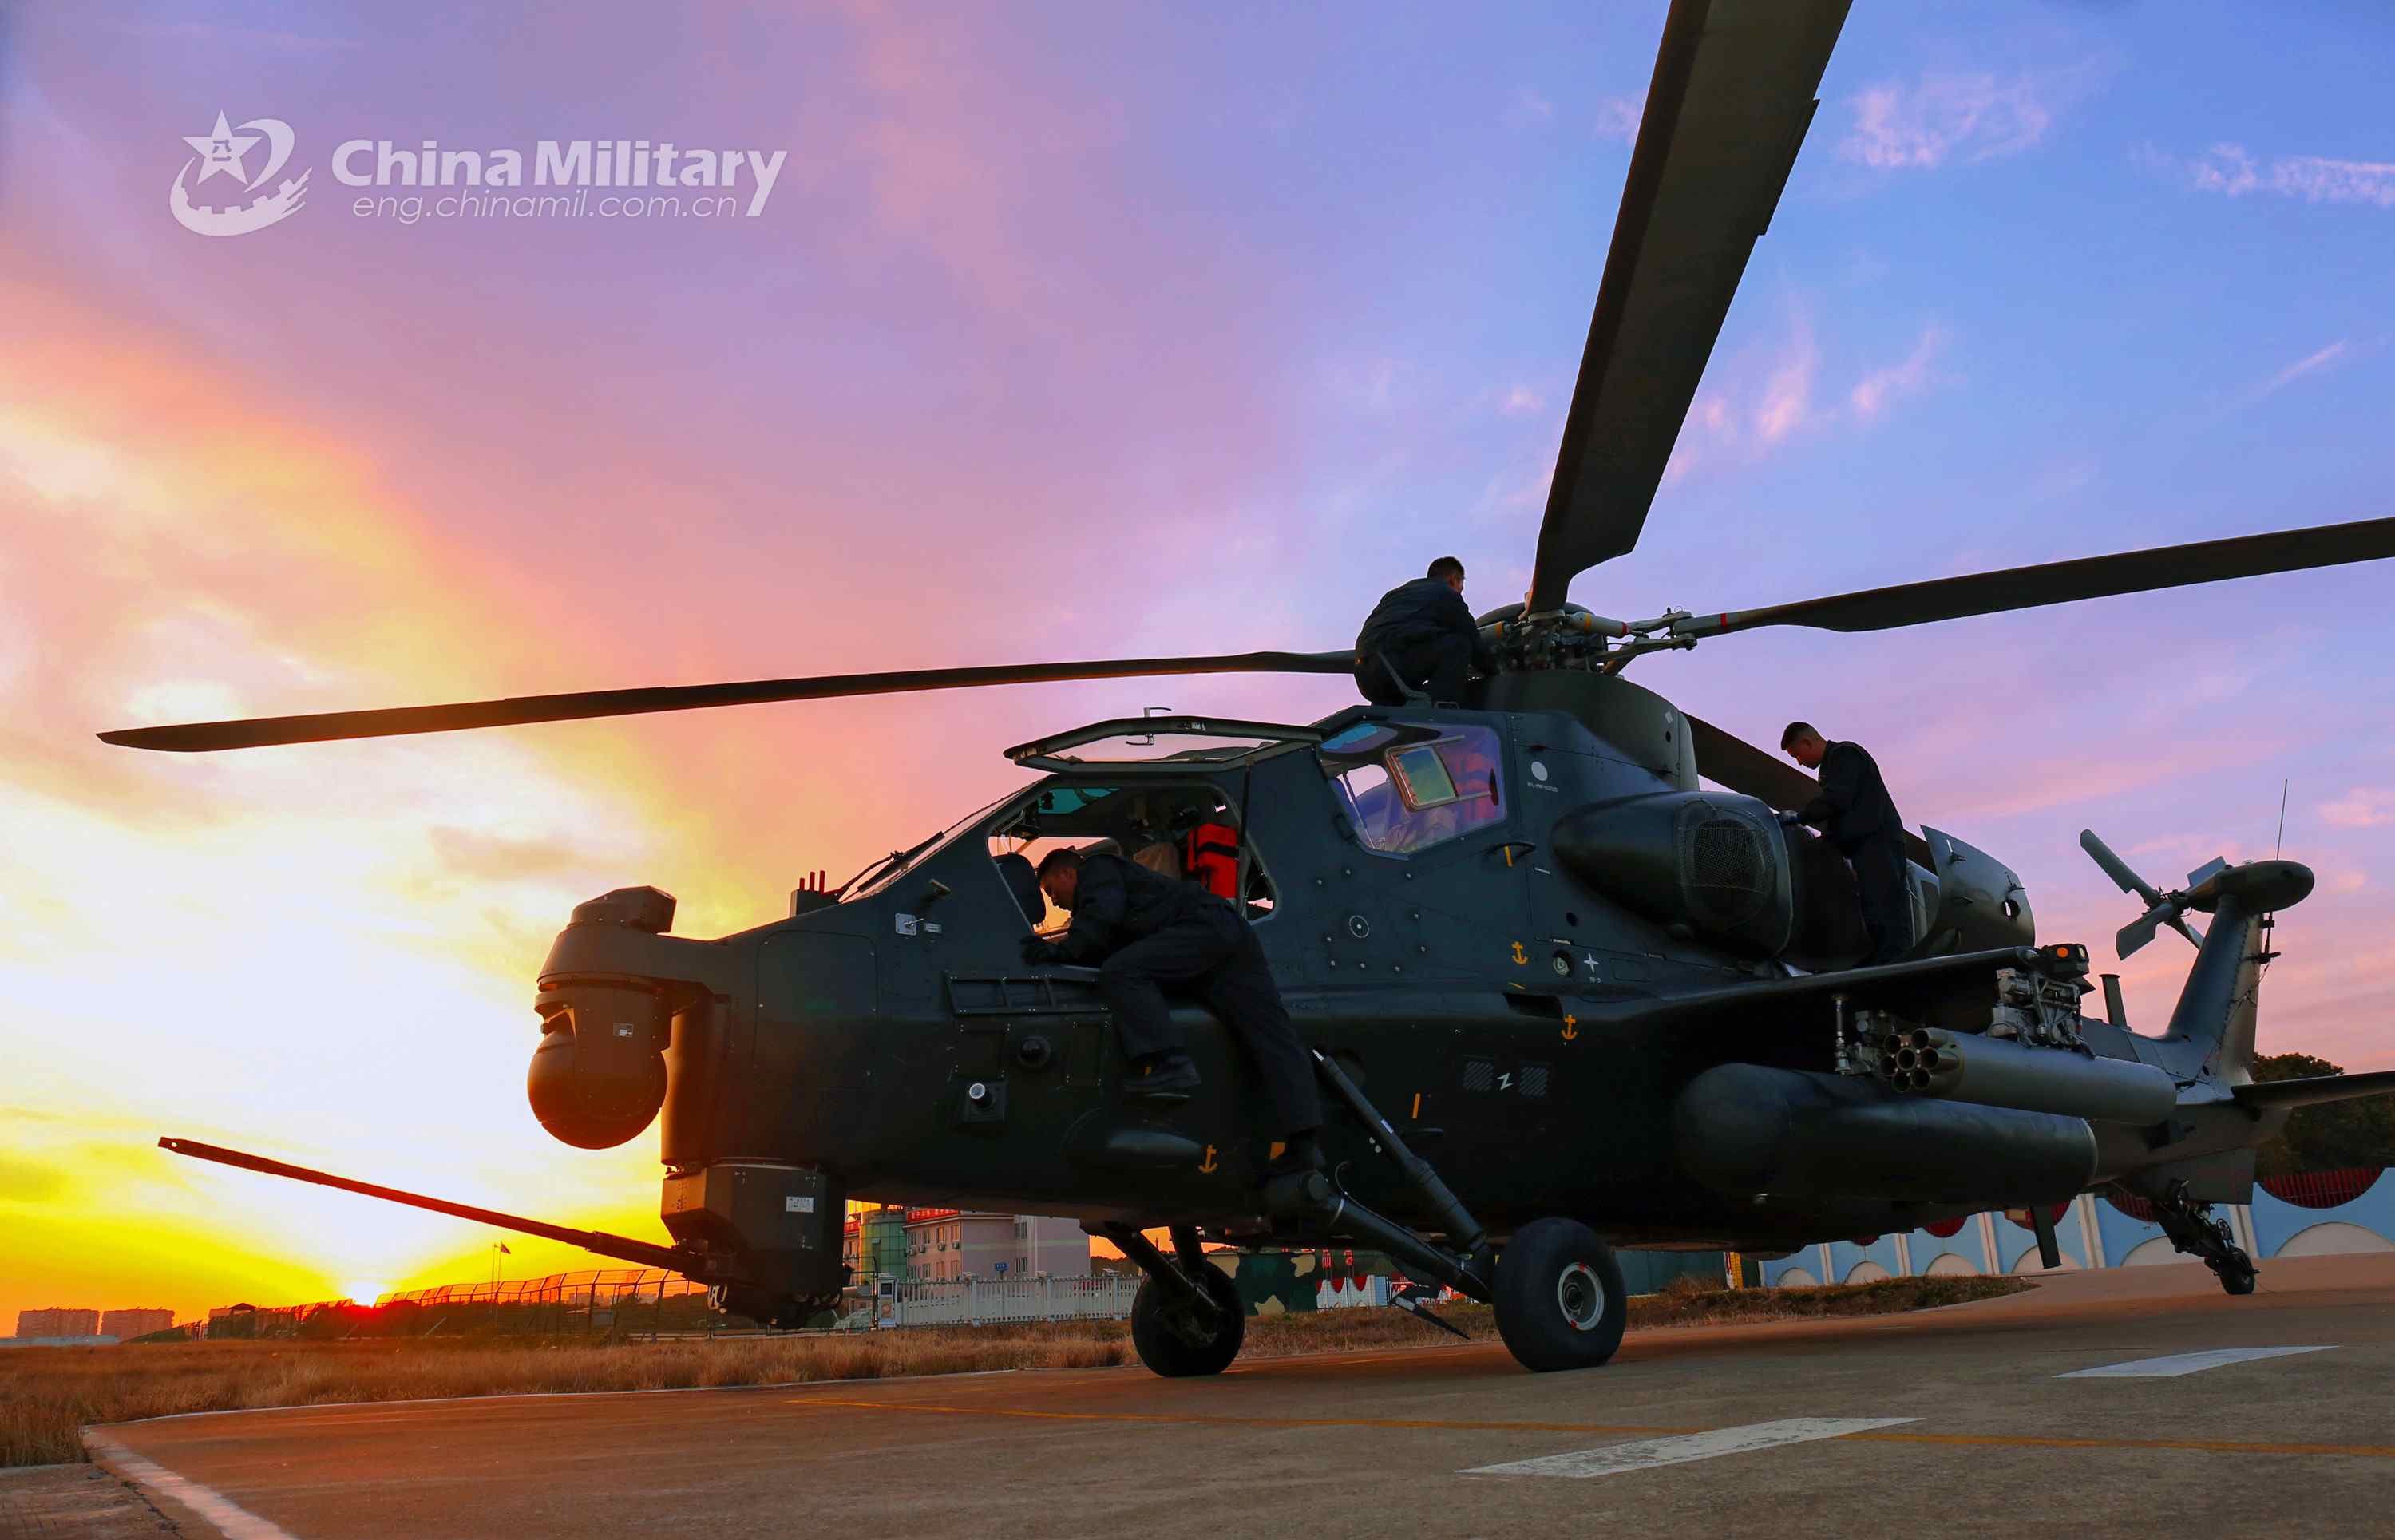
[58, 1323]
[125, 1326]
[952, 1244]
[233, 1320]
[875, 1244]
[937, 1244]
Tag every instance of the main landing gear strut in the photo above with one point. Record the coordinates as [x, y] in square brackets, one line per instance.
[2192, 1228]
[1557, 1288]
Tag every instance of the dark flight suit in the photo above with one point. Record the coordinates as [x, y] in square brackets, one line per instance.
[1425, 631]
[1858, 817]
[1144, 931]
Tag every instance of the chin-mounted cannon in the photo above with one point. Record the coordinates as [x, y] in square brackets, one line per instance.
[598, 1077]
[625, 1010]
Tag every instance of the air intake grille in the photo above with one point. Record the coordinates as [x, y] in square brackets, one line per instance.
[1725, 868]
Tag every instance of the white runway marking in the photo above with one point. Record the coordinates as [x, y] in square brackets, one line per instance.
[230, 1519]
[1613, 1459]
[2185, 1363]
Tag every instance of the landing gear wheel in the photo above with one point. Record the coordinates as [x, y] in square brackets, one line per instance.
[1173, 1343]
[1560, 1303]
[2192, 1228]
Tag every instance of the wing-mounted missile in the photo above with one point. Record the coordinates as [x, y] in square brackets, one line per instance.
[2162, 909]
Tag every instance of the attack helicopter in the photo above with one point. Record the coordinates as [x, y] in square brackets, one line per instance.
[1572, 983]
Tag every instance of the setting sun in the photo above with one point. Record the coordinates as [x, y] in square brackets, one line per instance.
[362, 1293]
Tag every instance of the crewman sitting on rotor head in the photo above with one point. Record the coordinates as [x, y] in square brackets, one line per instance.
[1857, 814]
[1426, 633]
[1143, 932]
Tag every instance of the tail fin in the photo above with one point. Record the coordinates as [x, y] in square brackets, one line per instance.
[2211, 1027]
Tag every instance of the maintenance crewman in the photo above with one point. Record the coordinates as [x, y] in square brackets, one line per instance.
[1855, 813]
[1425, 631]
[1143, 932]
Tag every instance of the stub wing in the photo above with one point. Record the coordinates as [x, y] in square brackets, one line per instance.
[2315, 1090]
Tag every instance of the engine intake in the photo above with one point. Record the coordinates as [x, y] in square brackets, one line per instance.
[1711, 861]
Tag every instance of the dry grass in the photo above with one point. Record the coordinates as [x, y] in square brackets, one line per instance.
[1694, 1302]
[47, 1394]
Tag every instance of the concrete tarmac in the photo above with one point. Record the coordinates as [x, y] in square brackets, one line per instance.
[1950, 1420]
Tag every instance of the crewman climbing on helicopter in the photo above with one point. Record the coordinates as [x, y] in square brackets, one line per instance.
[1143, 932]
[1857, 814]
[1424, 631]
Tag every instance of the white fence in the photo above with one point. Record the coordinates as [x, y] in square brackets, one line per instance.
[983, 1300]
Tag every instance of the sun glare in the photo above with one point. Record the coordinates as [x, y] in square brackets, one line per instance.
[362, 1293]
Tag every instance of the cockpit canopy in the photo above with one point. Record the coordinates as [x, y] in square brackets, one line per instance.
[1409, 785]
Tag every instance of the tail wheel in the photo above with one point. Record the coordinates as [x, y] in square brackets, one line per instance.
[1176, 1342]
[1560, 1303]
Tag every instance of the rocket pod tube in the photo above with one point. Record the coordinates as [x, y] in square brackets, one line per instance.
[1995, 1072]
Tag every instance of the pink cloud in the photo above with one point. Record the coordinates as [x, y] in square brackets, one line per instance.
[2232, 170]
[1875, 390]
[2363, 807]
[1761, 400]
[1971, 117]
[1788, 395]
[1528, 107]
[1764, 398]
[1618, 117]
[2302, 366]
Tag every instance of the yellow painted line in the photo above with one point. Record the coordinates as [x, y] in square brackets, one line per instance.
[1964, 1441]
[1194, 1420]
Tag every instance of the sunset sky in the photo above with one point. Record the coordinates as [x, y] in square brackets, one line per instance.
[1069, 332]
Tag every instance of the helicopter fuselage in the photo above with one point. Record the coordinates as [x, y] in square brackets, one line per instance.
[1537, 949]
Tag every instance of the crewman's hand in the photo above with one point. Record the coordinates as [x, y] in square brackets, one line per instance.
[1792, 821]
[1037, 950]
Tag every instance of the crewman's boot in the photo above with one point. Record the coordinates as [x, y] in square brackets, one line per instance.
[1293, 1182]
[1165, 1079]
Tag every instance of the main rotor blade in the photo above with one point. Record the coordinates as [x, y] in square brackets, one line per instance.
[1727, 110]
[193, 738]
[2062, 582]
[1727, 760]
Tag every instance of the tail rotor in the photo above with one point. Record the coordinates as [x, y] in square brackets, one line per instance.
[2162, 909]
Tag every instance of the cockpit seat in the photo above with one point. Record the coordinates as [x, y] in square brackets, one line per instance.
[1023, 882]
[1160, 857]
